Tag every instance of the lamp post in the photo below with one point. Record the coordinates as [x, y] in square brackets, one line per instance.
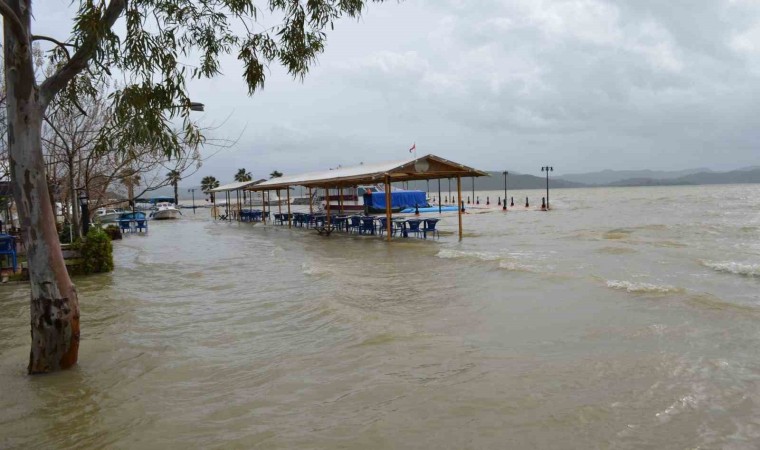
[504, 208]
[193, 191]
[84, 204]
[547, 169]
[473, 189]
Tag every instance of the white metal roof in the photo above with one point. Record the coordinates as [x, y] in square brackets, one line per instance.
[234, 186]
[361, 171]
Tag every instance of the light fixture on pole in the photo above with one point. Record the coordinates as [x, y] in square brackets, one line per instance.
[547, 169]
[504, 208]
[85, 208]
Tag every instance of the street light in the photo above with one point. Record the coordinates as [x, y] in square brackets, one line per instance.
[547, 169]
[505, 191]
[193, 191]
[84, 204]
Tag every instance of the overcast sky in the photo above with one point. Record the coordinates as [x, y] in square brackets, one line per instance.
[581, 85]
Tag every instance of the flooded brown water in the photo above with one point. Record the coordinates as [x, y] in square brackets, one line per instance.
[624, 318]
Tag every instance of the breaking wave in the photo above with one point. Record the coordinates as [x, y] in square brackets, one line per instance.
[517, 267]
[642, 288]
[747, 270]
[447, 253]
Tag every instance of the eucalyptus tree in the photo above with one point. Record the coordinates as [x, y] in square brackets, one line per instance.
[155, 48]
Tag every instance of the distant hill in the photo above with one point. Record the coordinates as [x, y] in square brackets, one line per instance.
[746, 175]
[495, 182]
[612, 177]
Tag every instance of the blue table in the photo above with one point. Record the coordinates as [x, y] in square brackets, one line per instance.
[8, 247]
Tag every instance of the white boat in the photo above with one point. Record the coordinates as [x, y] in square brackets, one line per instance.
[165, 211]
[108, 215]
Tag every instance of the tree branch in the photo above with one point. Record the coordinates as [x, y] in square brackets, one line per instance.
[62, 45]
[14, 22]
[82, 56]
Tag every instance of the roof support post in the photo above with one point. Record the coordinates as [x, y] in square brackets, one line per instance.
[388, 223]
[341, 200]
[263, 208]
[290, 220]
[459, 208]
[311, 205]
[279, 204]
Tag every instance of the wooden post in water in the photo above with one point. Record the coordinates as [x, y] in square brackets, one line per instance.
[279, 204]
[290, 221]
[327, 220]
[459, 209]
[263, 208]
[388, 206]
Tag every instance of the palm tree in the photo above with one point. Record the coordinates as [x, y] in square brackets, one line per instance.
[208, 183]
[174, 178]
[242, 175]
[275, 174]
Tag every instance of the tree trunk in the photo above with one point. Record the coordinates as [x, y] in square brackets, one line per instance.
[54, 304]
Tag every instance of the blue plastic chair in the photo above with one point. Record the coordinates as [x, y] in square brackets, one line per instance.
[354, 224]
[125, 225]
[8, 247]
[384, 226]
[429, 227]
[368, 225]
[339, 222]
[414, 226]
[141, 224]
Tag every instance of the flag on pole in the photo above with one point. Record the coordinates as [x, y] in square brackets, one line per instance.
[413, 148]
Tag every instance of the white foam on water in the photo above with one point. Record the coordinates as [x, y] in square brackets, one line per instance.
[747, 270]
[447, 253]
[517, 267]
[642, 288]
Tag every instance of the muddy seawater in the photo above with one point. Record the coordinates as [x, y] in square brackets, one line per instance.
[624, 318]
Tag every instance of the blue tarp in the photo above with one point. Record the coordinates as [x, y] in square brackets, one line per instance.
[399, 199]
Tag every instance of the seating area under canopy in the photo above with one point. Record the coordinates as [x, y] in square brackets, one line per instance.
[428, 167]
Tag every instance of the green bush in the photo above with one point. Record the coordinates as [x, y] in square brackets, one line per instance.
[96, 251]
[64, 233]
[113, 231]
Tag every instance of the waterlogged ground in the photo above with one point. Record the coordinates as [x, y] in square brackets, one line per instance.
[625, 318]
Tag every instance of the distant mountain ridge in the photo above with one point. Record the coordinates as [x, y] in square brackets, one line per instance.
[610, 177]
[740, 176]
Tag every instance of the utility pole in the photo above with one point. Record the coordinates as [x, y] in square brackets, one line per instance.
[193, 191]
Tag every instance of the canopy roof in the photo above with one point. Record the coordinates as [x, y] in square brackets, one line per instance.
[235, 186]
[426, 167]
